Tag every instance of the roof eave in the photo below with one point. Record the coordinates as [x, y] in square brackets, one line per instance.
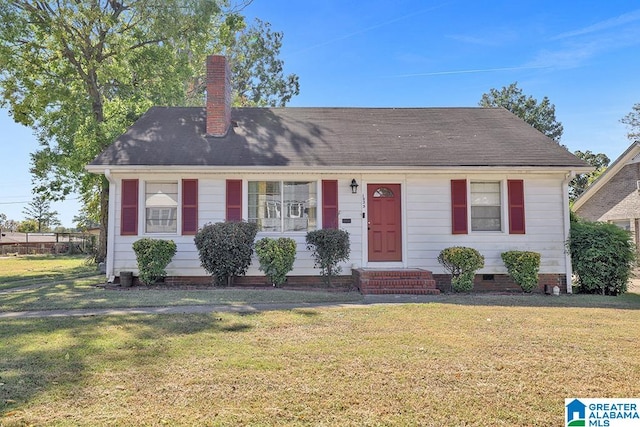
[632, 151]
[100, 169]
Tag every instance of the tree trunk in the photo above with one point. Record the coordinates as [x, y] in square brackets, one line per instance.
[101, 250]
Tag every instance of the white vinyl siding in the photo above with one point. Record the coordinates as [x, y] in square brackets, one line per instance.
[426, 220]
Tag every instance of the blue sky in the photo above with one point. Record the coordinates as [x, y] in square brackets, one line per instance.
[584, 56]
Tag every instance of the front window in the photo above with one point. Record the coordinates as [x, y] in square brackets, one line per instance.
[283, 206]
[625, 224]
[486, 206]
[161, 207]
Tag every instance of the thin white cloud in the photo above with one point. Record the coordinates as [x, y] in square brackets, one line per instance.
[497, 37]
[602, 25]
[575, 53]
[472, 40]
[471, 71]
[372, 27]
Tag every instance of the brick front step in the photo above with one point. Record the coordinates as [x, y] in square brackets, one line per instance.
[400, 281]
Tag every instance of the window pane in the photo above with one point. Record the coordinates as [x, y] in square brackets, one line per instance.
[299, 203]
[486, 206]
[292, 209]
[265, 205]
[161, 207]
[625, 224]
[162, 194]
[485, 218]
[383, 192]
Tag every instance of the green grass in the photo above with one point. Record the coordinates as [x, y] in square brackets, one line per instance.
[475, 360]
[434, 364]
[83, 293]
[27, 270]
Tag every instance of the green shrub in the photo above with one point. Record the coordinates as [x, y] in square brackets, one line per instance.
[276, 258]
[153, 256]
[225, 249]
[462, 263]
[523, 267]
[330, 247]
[602, 255]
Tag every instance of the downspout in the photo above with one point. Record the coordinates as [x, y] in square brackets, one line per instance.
[567, 228]
[111, 225]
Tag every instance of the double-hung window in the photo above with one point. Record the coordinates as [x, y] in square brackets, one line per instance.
[486, 206]
[282, 206]
[161, 207]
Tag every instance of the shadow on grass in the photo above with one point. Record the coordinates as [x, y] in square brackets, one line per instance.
[10, 281]
[41, 356]
[628, 301]
[305, 312]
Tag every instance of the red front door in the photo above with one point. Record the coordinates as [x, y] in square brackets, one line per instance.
[384, 222]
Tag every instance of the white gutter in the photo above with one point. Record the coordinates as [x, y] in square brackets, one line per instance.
[111, 228]
[567, 228]
[362, 169]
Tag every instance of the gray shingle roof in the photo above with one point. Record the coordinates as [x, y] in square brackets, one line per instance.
[339, 137]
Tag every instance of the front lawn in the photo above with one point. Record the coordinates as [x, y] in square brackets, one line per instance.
[435, 364]
[27, 270]
[83, 293]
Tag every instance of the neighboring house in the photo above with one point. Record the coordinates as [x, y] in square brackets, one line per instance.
[404, 182]
[34, 243]
[615, 196]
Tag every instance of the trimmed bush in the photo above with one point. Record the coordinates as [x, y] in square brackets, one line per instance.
[602, 255]
[225, 249]
[276, 258]
[153, 256]
[462, 263]
[523, 267]
[330, 247]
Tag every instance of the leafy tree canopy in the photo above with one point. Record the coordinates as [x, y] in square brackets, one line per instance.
[39, 211]
[541, 115]
[632, 120]
[28, 226]
[79, 72]
[580, 183]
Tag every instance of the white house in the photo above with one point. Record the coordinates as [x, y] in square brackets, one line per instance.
[404, 182]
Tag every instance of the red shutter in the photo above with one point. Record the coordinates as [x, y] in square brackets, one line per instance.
[515, 189]
[459, 206]
[189, 206]
[234, 200]
[129, 212]
[330, 204]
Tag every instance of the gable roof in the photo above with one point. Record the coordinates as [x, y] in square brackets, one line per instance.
[631, 155]
[337, 137]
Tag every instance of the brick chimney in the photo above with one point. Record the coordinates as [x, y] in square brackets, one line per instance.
[218, 96]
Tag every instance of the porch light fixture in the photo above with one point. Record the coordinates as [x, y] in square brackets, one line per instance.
[354, 186]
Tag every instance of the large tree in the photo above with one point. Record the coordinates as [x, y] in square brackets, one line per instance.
[7, 224]
[632, 120]
[80, 71]
[39, 211]
[541, 115]
[599, 161]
